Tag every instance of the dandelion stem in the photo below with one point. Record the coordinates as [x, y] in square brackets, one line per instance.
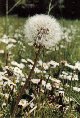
[26, 84]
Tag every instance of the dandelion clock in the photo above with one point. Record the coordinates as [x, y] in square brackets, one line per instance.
[42, 30]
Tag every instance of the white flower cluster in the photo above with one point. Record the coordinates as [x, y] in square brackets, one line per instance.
[77, 65]
[5, 39]
[76, 89]
[68, 76]
[69, 33]
[42, 30]
[73, 67]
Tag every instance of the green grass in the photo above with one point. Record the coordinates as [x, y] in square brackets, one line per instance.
[73, 49]
[13, 24]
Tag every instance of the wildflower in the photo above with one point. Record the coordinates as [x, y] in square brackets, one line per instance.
[69, 33]
[42, 30]
[18, 72]
[70, 66]
[23, 61]
[6, 95]
[69, 76]
[53, 64]
[56, 83]
[30, 66]
[11, 83]
[64, 76]
[43, 71]
[77, 65]
[14, 63]
[21, 65]
[35, 81]
[23, 103]
[11, 40]
[5, 78]
[48, 86]
[1, 51]
[55, 80]
[76, 89]
[75, 77]
[32, 105]
[47, 76]
[40, 62]
[61, 91]
[5, 39]
[30, 61]
[45, 66]
[36, 70]
[43, 83]
[9, 46]
[23, 79]
[62, 46]
[22, 83]
[64, 73]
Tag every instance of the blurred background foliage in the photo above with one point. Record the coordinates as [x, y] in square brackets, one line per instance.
[65, 8]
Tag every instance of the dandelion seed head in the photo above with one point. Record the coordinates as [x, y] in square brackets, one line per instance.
[42, 30]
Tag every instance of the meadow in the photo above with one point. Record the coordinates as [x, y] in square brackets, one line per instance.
[72, 32]
[19, 52]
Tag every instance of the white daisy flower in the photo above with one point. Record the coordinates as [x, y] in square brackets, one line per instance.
[48, 86]
[1, 51]
[23, 103]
